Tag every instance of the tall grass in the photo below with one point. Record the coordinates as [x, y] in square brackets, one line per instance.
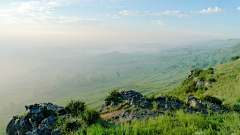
[179, 124]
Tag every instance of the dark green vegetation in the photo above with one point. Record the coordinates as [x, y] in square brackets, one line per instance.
[179, 122]
[113, 95]
[235, 58]
[75, 107]
[91, 78]
[81, 117]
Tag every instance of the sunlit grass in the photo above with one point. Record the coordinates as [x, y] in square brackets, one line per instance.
[178, 124]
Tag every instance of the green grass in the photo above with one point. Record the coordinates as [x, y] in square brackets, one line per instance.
[225, 86]
[147, 74]
[180, 124]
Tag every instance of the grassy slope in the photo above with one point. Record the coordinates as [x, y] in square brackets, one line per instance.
[226, 86]
[146, 74]
[180, 124]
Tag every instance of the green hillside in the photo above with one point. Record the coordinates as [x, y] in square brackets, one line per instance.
[92, 80]
[225, 84]
[224, 88]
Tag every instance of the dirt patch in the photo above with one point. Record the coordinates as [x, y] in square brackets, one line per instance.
[111, 114]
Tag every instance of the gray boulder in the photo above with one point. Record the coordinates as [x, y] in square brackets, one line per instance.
[193, 102]
[19, 126]
[145, 104]
[49, 122]
[125, 95]
[208, 84]
[39, 120]
[199, 84]
[54, 109]
[35, 112]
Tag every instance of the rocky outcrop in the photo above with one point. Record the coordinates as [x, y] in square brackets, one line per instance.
[208, 84]
[193, 102]
[199, 84]
[130, 94]
[190, 74]
[39, 120]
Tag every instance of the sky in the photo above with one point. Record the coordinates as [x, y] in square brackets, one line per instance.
[74, 23]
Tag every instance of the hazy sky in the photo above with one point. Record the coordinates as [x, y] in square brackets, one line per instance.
[35, 23]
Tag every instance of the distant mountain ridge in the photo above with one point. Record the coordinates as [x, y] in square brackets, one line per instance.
[207, 46]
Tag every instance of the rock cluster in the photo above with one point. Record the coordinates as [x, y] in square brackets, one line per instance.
[201, 83]
[125, 95]
[39, 120]
[204, 107]
[140, 108]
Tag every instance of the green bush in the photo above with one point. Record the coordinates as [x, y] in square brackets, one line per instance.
[152, 97]
[89, 117]
[113, 95]
[75, 107]
[236, 107]
[209, 98]
[210, 80]
[235, 58]
[203, 88]
[67, 125]
[190, 87]
[209, 71]
[197, 72]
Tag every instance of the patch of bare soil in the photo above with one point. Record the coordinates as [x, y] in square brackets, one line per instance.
[111, 114]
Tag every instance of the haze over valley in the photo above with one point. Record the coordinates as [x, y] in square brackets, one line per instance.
[58, 50]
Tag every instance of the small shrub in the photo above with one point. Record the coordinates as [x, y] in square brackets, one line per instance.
[235, 58]
[67, 125]
[209, 71]
[75, 107]
[89, 117]
[152, 97]
[190, 87]
[236, 107]
[209, 98]
[113, 95]
[210, 80]
[197, 72]
[202, 78]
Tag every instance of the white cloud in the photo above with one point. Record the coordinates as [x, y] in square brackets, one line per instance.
[115, 16]
[158, 22]
[134, 13]
[215, 10]
[210, 10]
[108, 14]
[34, 12]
